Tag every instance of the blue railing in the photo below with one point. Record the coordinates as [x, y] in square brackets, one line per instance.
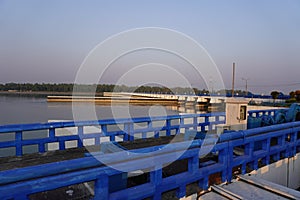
[17, 139]
[260, 113]
[234, 151]
[260, 118]
[255, 117]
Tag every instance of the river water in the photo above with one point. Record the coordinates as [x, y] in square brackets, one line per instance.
[20, 109]
[24, 109]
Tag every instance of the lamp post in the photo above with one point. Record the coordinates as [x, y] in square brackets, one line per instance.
[233, 77]
[211, 82]
[246, 80]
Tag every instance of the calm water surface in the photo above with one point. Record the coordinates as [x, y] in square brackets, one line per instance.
[19, 109]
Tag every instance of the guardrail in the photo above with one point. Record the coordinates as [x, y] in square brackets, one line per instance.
[17, 139]
[261, 113]
[259, 118]
[235, 151]
[255, 117]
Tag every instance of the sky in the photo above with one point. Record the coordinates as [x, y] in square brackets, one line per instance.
[47, 41]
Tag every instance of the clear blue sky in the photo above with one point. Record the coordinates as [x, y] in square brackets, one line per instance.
[46, 41]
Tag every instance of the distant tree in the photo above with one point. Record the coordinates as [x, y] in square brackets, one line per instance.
[297, 95]
[204, 92]
[292, 94]
[292, 98]
[274, 95]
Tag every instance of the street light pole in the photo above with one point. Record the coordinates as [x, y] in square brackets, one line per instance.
[233, 77]
[246, 80]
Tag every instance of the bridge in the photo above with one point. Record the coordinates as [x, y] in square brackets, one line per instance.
[157, 158]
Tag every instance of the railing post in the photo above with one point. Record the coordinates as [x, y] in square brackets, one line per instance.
[195, 123]
[217, 119]
[293, 142]
[266, 147]
[144, 135]
[112, 138]
[80, 135]
[19, 148]
[229, 160]
[101, 187]
[288, 143]
[62, 145]
[206, 119]
[281, 142]
[202, 128]
[41, 147]
[181, 124]
[181, 191]
[193, 164]
[97, 140]
[209, 124]
[156, 180]
[156, 134]
[129, 131]
[149, 126]
[255, 164]
[249, 148]
[168, 125]
[51, 133]
[104, 130]
[203, 184]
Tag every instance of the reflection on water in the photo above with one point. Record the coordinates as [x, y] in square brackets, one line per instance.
[16, 109]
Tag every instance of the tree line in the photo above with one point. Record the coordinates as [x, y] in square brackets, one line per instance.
[99, 88]
[294, 96]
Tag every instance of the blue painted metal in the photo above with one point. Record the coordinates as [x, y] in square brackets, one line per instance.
[20, 183]
[128, 133]
[259, 118]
